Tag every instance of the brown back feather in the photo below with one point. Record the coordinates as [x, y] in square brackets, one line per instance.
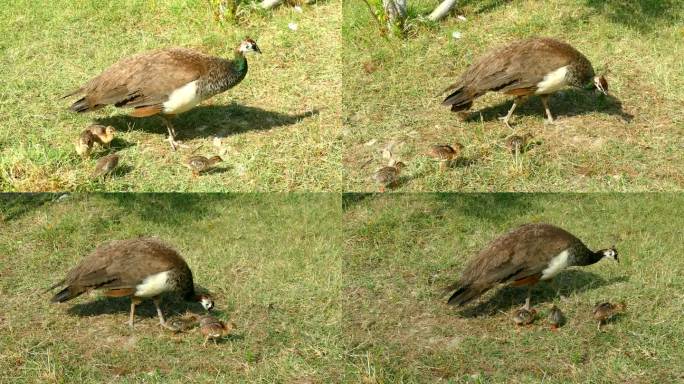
[520, 253]
[147, 78]
[124, 264]
[520, 64]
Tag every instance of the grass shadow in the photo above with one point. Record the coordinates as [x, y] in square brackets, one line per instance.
[508, 297]
[571, 102]
[401, 181]
[171, 208]
[215, 120]
[494, 207]
[234, 337]
[351, 199]
[641, 15]
[15, 205]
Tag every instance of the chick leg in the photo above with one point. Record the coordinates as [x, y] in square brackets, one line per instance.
[545, 102]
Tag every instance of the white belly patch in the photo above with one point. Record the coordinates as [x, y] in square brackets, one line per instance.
[153, 285]
[182, 99]
[557, 264]
[553, 81]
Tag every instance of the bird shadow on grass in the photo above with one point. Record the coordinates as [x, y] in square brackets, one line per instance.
[227, 339]
[508, 297]
[451, 165]
[213, 120]
[122, 305]
[463, 162]
[118, 172]
[616, 318]
[571, 102]
[218, 170]
[119, 144]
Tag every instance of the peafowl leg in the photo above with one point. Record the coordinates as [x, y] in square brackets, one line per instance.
[172, 134]
[132, 315]
[518, 100]
[527, 300]
[545, 102]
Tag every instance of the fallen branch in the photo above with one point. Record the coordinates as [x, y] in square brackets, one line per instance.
[442, 10]
[268, 4]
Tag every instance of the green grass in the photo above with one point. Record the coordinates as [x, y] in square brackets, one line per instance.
[323, 294]
[390, 96]
[278, 127]
[271, 262]
[401, 252]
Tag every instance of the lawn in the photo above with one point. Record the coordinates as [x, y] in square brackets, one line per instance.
[271, 261]
[276, 130]
[402, 252]
[630, 141]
